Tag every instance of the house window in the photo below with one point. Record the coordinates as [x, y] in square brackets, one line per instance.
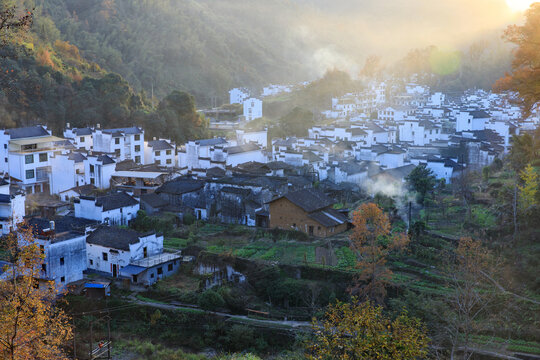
[62, 262]
[91, 262]
[63, 279]
[145, 252]
[152, 275]
[5, 146]
[137, 137]
[160, 270]
[81, 139]
[169, 161]
[117, 152]
[44, 267]
[158, 161]
[92, 181]
[117, 141]
[6, 159]
[42, 157]
[169, 152]
[169, 267]
[137, 148]
[29, 159]
[134, 278]
[158, 152]
[105, 256]
[42, 249]
[137, 159]
[30, 174]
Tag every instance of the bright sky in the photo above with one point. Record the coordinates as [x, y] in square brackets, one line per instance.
[519, 5]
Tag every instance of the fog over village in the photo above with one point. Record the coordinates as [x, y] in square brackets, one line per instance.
[283, 179]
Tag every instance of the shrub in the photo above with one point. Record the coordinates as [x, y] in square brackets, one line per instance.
[188, 219]
[210, 300]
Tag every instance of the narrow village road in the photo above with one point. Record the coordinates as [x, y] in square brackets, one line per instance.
[266, 323]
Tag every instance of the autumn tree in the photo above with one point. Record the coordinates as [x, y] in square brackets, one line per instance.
[528, 191]
[33, 327]
[362, 331]
[525, 76]
[13, 19]
[469, 298]
[372, 241]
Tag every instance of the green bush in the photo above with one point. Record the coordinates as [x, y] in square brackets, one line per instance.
[210, 300]
[188, 219]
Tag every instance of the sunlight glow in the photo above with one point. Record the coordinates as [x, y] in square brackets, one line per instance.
[519, 5]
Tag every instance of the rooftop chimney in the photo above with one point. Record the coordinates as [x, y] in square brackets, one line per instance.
[68, 125]
[98, 126]
[51, 225]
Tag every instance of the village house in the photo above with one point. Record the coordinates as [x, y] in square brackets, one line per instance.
[160, 152]
[309, 211]
[26, 153]
[98, 170]
[124, 143]
[110, 249]
[12, 209]
[80, 137]
[113, 209]
[238, 95]
[252, 109]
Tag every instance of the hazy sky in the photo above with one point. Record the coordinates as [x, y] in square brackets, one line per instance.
[343, 31]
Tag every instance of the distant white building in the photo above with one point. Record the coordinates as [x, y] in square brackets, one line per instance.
[109, 249]
[253, 109]
[113, 209]
[67, 171]
[26, 153]
[98, 170]
[160, 152]
[80, 137]
[238, 95]
[472, 120]
[124, 143]
[257, 137]
[12, 209]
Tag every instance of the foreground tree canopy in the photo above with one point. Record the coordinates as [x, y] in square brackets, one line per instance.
[525, 76]
[33, 327]
[362, 331]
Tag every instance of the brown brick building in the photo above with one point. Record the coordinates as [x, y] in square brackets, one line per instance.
[307, 210]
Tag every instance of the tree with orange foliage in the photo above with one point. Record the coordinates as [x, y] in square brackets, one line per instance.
[32, 326]
[525, 76]
[372, 241]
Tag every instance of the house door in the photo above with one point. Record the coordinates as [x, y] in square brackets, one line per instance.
[310, 231]
[114, 271]
[199, 215]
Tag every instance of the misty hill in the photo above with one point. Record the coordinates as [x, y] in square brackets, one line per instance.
[204, 47]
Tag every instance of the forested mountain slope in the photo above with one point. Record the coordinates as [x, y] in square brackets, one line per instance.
[204, 47]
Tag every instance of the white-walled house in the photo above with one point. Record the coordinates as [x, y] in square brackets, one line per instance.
[199, 151]
[124, 143]
[258, 137]
[63, 244]
[114, 209]
[12, 208]
[471, 120]
[26, 152]
[67, 171]
[236, 155]
[110, 249]
[419, 132]
[98, 170]
[160, 152]
[238, 95]
[253, 109]
[80, 137]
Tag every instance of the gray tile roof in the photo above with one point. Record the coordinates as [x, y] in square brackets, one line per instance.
[114, 237]
[180, 186]
[115, 201]
[211, 142]
[309, 200]
[242, 148]
[25, 132]
[160, 145]
[129, 130]
[328, 217]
